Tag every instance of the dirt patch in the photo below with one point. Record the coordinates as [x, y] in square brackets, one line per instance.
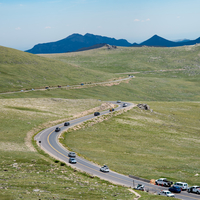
[12, 146]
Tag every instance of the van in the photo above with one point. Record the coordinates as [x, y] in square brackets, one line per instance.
[183, 186]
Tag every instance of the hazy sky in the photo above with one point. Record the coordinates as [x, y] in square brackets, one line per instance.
[24, 23]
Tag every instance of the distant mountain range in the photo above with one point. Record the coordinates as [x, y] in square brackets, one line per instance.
[157, 41]
[77, 42]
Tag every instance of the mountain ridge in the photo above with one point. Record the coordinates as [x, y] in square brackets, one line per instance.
[76, 41]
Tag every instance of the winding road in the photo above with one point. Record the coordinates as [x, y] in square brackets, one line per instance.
[48, 141]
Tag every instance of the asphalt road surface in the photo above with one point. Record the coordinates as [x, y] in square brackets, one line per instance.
[48, 141]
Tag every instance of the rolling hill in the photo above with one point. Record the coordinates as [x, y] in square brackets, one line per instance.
[20, 70]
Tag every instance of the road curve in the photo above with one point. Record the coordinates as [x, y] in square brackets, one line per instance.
[48, 141]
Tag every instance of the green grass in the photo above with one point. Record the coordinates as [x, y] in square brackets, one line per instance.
[22, 171]
[26, 175]
[139, 88]
[162, 143]
[126, 59]
[20, 70]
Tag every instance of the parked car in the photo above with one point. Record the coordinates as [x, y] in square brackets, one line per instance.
[46, 87]
[57, 129]
[166, 193]
[125, 104]
[140, 187]
[118, 101]
[96, 113]
[72, 154]
[111, 109]
[104, 168]
[175, 189]
[66, 124]
[163, 182]
[82, 83]
[194, 189]
[72, 160]
[182, 185]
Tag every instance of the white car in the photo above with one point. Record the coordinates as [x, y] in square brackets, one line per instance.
[194, 189]
[104, 168]
[163, 182]
[166, 193]
[182, 185]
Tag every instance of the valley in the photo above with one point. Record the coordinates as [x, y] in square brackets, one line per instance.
[161, 143]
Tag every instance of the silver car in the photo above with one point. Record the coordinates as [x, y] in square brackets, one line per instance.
[166, 193]
[72, 154]
[104, 168]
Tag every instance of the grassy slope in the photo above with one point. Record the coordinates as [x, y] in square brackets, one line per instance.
[20, 70]
[96, 65]
[162, 143]
[138, 89]
[35, 171]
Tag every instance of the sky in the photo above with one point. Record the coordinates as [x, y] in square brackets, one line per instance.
[25, 23]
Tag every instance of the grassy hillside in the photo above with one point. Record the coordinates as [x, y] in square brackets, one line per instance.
[25, 174]
[20, 70]
[137, 89]
[162, 143]
[168, 79]
[127, 59]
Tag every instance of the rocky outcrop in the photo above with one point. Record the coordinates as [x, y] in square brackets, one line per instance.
[143, 106]
[111, 46]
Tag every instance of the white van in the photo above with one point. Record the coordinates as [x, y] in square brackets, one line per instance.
[183, 186]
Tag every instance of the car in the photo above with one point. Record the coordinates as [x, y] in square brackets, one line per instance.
[32, 89]
[118, 101]
[182, 185]
[194, 189]
[96, 113]
[82, 83]
[166, 193]
[125, 104]
[72, 154]
[57, 129]
[175, 189]
[46, 87]
[139, 187]
[72, 160]
[22, 90]
[104, 168]
[163, 182]
[111, 109]
[66, 124]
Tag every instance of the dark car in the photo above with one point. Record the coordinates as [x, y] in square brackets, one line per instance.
[72, 154]
[175, 189]
[46, 87]
[57, 129]
[66, 124]
[96, 113]
[82, 83]
[111, 109]
[72, 160]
